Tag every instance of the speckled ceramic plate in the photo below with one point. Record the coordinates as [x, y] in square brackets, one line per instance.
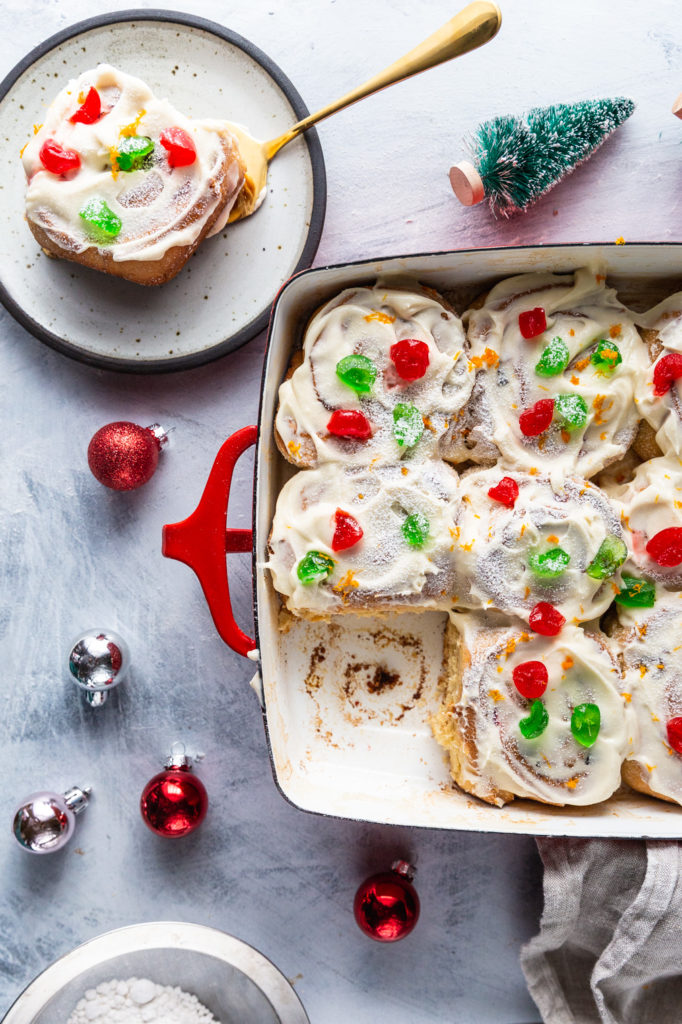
[222, 297]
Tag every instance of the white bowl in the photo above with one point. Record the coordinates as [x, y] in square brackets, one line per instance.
[236, 982]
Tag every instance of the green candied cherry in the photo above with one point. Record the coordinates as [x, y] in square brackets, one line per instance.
[357, 372]
[133, 150]
[537, 721]
[549, 564]
[314, 567]
[554, 359]
[610, 556]
[100, 220]
[585, 724]
[636, 593]
[408, 424]
[415, 529]
[570, 411]
[606, 356]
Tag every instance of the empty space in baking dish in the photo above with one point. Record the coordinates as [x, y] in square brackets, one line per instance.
[346, 739]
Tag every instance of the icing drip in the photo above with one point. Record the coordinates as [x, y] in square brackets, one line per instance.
[153, 203]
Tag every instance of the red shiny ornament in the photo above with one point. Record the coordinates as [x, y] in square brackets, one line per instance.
[90, 110]
[411, 358]
[667, 370]
[349, 423]
[536, 419]
[58, 160]
[674, 730]
[546, 619]
[506, 492]
[530, 679]
[532, 322]
[347, 531]
[175, 801]
[386, 906]
[124, 456]
[665, 547]
[181, 149]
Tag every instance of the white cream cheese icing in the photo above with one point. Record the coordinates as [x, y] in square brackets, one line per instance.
[383, 569]
[494, 543]
[652, 652]
[368, 321]
[152, 204]
[663, 412]
[553, 767]
[582, 311]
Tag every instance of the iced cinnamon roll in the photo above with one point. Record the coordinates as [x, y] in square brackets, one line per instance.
[556, 392]
[659, 394]
[651, 512]
[651, 642]
[522, 541]
[382, 374]
[364, 540]
[531, 716]
[120, 181]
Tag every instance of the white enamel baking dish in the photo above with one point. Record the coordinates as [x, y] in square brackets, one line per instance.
[345, 737]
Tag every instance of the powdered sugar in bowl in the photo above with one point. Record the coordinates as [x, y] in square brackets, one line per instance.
[231, 981]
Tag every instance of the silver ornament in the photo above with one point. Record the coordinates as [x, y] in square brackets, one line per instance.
[98, 661]
[45, 821]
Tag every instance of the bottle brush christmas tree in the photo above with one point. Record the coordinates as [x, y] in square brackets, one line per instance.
[515, 160]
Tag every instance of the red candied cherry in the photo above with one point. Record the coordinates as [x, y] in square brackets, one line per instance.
[349, 423]
[532, 322]
[537, 418]
[545, 619]
[667, 369]
[506, 492]
[665, 547]
[347, 531]
[674, 730]
[181, 150]
[58, 160]
[530, 679]
[411, 358]
[90, 109]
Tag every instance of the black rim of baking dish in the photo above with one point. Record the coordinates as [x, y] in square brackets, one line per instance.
[370, 261]
[311, 138]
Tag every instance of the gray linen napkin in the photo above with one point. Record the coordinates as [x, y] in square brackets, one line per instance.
[609, 949]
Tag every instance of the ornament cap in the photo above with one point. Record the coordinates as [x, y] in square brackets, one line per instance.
[178, 757]
[77, 799]
[159, 432]
[466, 183]
[404, 868]
[677, 106]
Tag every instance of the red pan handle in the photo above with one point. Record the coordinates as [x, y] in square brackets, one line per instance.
[201, 540]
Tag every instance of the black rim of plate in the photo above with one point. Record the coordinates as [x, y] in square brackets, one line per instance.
[311, 138]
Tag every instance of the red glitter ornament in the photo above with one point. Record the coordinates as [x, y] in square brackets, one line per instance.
[175, 801]
[58, 160]
[124, 456]
[537, 418]
[181, 149]
[665, 547]
[386, 906]
[411, 358]
[546, 619]
[506, 492]
[530, 679]
[667, 370]
[90, 110]
[674, 731]
[532, 322]
[349, 423]
[347, 531]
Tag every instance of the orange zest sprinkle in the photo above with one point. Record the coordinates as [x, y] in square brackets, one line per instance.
[600, 408]
[36, 128]
[490, 357]
[627, 697]
[132, 128]
[553, 539]
[565, 436]
[575, 380]
[572, 333]
[113, 156]
[567, 663]
[382, 318]
[21, 151]
[572, 783]
[496, 695]
[600, 277]
[602, 436]
[582, 363]
[615, 331]
[533, 471]
[620, 240]
[294, 447]
[526, 593]
[642, 671]
[404, 470]
[347, 583]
